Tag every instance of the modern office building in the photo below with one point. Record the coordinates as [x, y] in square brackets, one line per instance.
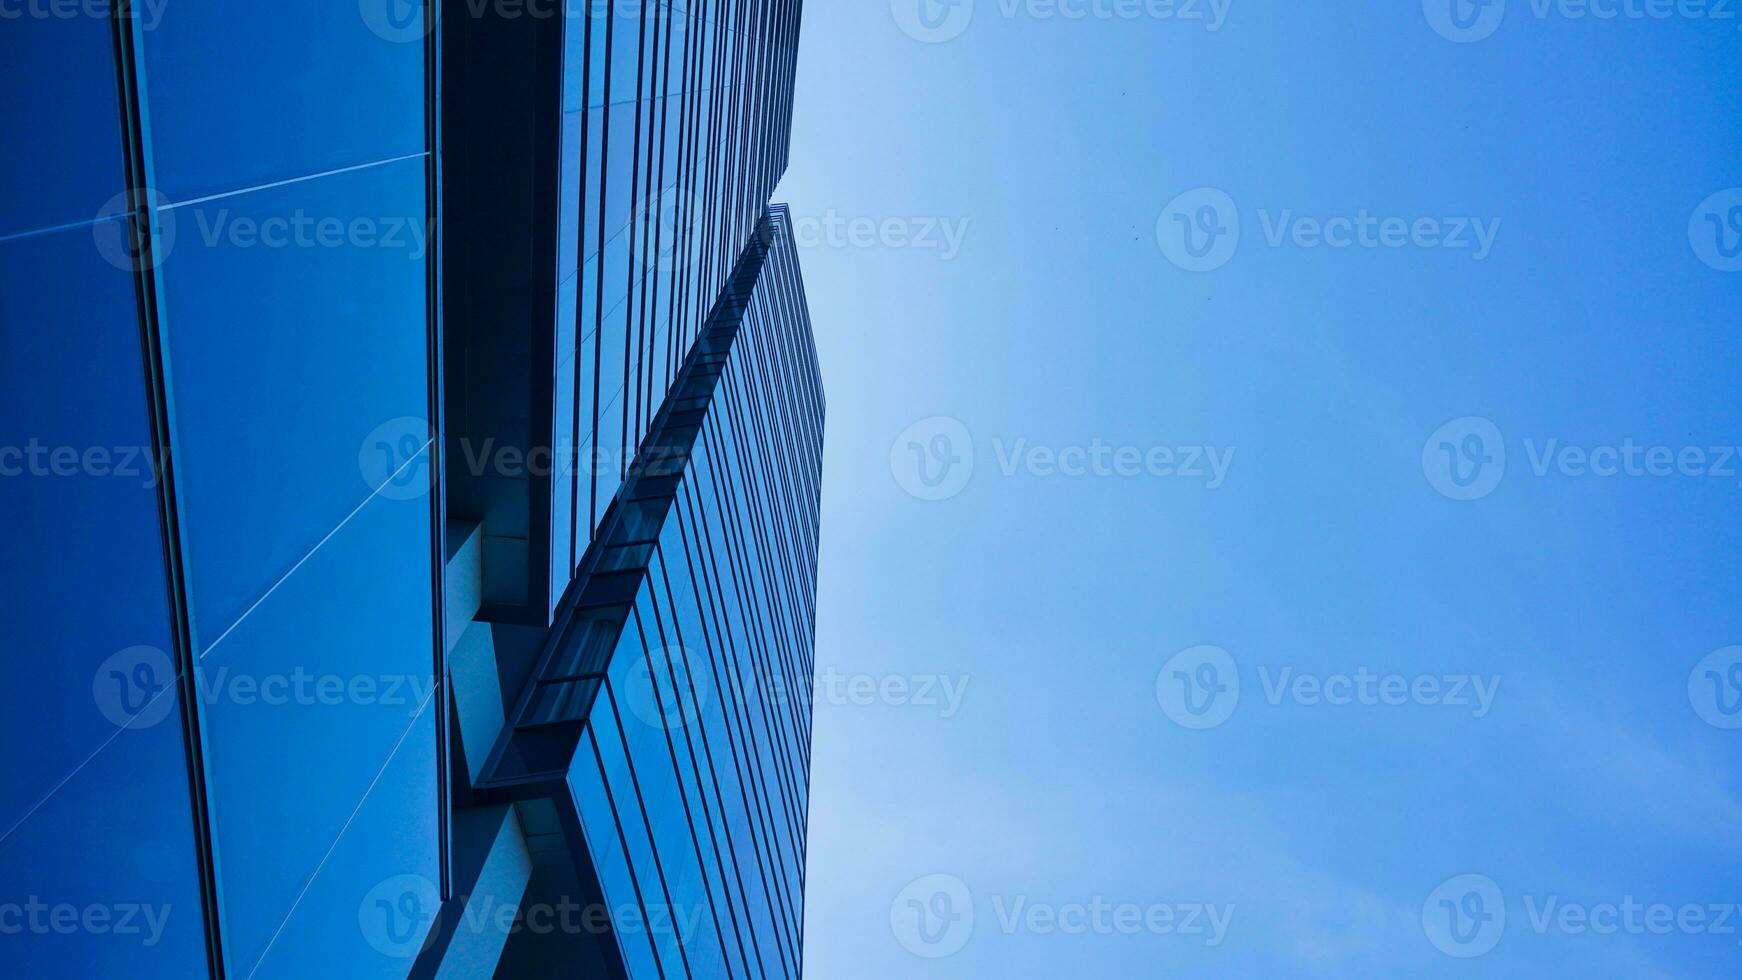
[411, 430]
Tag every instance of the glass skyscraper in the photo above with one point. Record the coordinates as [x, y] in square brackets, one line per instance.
[412, 431]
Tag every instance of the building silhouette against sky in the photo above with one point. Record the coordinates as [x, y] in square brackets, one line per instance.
[412, 430]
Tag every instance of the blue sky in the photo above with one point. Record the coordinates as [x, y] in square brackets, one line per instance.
[1531, 270]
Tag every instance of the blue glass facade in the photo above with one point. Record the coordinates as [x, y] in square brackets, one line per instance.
[334, 337]
[619, 157]
[215, 525]
[671, 709]
[713, 668]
